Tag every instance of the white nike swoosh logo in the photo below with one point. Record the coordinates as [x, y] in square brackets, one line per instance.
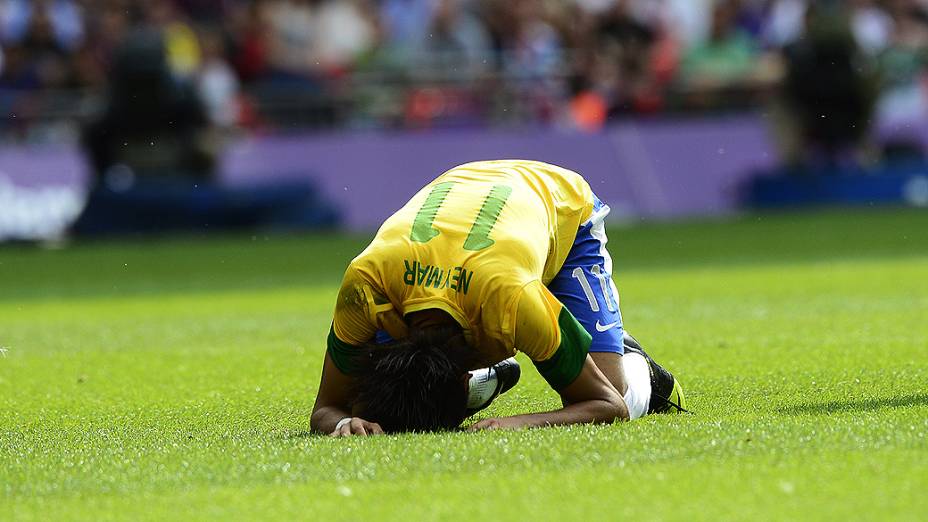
[604, 327]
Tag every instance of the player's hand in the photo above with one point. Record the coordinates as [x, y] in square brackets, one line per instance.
[357, 426]
[500, 423]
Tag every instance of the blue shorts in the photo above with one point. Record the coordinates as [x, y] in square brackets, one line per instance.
[584, 284]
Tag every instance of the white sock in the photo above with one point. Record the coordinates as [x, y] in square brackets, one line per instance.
[638, 378]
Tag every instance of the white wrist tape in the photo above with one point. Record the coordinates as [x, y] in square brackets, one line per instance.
[341, 423]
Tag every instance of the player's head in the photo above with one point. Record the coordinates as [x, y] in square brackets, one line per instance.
[414, 384]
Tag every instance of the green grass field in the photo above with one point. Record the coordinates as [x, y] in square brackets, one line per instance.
[174, 379]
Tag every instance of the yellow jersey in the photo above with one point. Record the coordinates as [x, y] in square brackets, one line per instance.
[480, 242]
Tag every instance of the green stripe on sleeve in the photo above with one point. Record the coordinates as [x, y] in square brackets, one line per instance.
[565, 365]
[342, 353]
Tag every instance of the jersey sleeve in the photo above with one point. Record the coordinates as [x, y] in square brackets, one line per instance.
[550, 335]
[360, 311]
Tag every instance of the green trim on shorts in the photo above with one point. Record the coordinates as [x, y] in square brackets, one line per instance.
[342, 353]
[565, 365]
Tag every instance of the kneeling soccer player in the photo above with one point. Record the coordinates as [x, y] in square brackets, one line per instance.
[490, 258]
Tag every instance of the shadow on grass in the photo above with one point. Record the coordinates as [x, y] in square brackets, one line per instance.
[861, 405]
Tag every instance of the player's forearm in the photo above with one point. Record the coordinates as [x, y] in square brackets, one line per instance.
[585, 412]
[324, 419]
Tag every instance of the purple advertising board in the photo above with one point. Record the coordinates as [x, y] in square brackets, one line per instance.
[651, 169]
[655, 169]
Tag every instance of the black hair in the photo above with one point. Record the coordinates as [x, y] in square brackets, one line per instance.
[415, 383]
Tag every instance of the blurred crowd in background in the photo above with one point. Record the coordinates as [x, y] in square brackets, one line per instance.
[826, 71]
